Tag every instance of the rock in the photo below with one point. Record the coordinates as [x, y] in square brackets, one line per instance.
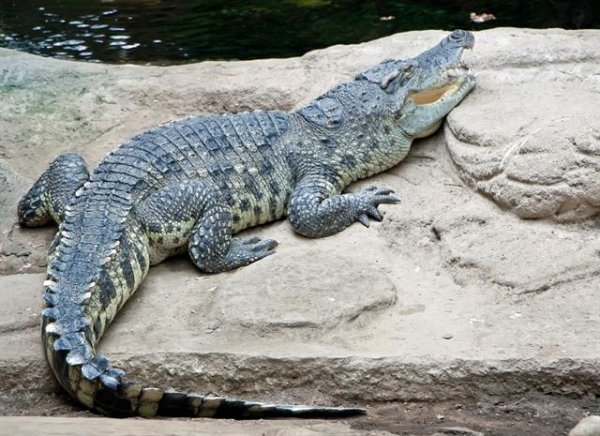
[570, 253]
[529, 138]
[311, 296]
[457, 431]
[588, 426]
[13, 187]
[33, 426]
[18, 253]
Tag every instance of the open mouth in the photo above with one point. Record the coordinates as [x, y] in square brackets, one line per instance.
[430, 96]
[454, 78]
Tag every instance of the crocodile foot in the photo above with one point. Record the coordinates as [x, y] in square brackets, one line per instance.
[245, 251]
[370, 199]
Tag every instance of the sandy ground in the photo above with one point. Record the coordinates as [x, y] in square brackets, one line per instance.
[453, 312]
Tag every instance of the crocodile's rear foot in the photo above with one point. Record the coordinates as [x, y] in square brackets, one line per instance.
[245, 251]
[239, 252]
[49, 196]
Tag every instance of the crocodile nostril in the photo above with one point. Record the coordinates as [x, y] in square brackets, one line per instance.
[463, 37]
[458, 34]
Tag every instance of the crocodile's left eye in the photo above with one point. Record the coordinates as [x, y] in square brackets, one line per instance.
[409, 71]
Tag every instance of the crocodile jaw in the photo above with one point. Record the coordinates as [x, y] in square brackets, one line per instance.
[426, 109]
[456, 82]
[441, 81]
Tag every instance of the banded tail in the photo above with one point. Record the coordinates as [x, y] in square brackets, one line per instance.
[76, 317]
[101, 388]
[73, 323]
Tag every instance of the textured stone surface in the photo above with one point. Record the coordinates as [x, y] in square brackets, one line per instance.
[107, 427]
[529, 138]
[18, 252]
[450, 298]
[588, 426]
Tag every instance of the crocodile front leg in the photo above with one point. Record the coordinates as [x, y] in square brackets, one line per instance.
[193, 214]
[51, 193]
[317, 208]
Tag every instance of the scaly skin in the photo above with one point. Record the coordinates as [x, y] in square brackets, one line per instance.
[192, 184]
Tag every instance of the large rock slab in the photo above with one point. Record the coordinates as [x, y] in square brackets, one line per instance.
[529, 137]
[107, 427]
[450, 297]
[19, 252]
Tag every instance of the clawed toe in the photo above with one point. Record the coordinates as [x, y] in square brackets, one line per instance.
[372, 197]
[251, 240]
[253, 248]
[264, 245]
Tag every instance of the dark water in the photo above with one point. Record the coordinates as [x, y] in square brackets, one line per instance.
[172, 31]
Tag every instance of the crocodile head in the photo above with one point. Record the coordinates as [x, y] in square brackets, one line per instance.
[425, 88]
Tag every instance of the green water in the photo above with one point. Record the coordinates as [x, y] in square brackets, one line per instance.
[173, 31]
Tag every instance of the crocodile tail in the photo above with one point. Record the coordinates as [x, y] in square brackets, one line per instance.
[132, 399]
[102, 388]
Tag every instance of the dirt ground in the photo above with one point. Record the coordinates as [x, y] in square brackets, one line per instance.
[528, 414]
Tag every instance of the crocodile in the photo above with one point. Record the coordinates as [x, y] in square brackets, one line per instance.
[192, 184]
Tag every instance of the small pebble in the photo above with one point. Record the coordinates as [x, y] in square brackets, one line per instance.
[447, 336]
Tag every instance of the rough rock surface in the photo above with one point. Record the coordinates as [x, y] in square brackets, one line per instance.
[107, 427]
[588, 426]
[530, 138]
[450, 298]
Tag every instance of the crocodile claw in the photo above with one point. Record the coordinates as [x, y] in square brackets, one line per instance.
[251, 240]
[245, 251]
[264, 245]
[370, 199]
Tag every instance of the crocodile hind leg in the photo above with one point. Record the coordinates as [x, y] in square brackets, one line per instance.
[317, 208]
[193, 214]
[50, 194]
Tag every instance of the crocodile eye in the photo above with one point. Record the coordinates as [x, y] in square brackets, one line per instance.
[409, 71]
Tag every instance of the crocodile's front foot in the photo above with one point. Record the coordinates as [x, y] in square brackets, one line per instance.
[370, 199]
[317, 210]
